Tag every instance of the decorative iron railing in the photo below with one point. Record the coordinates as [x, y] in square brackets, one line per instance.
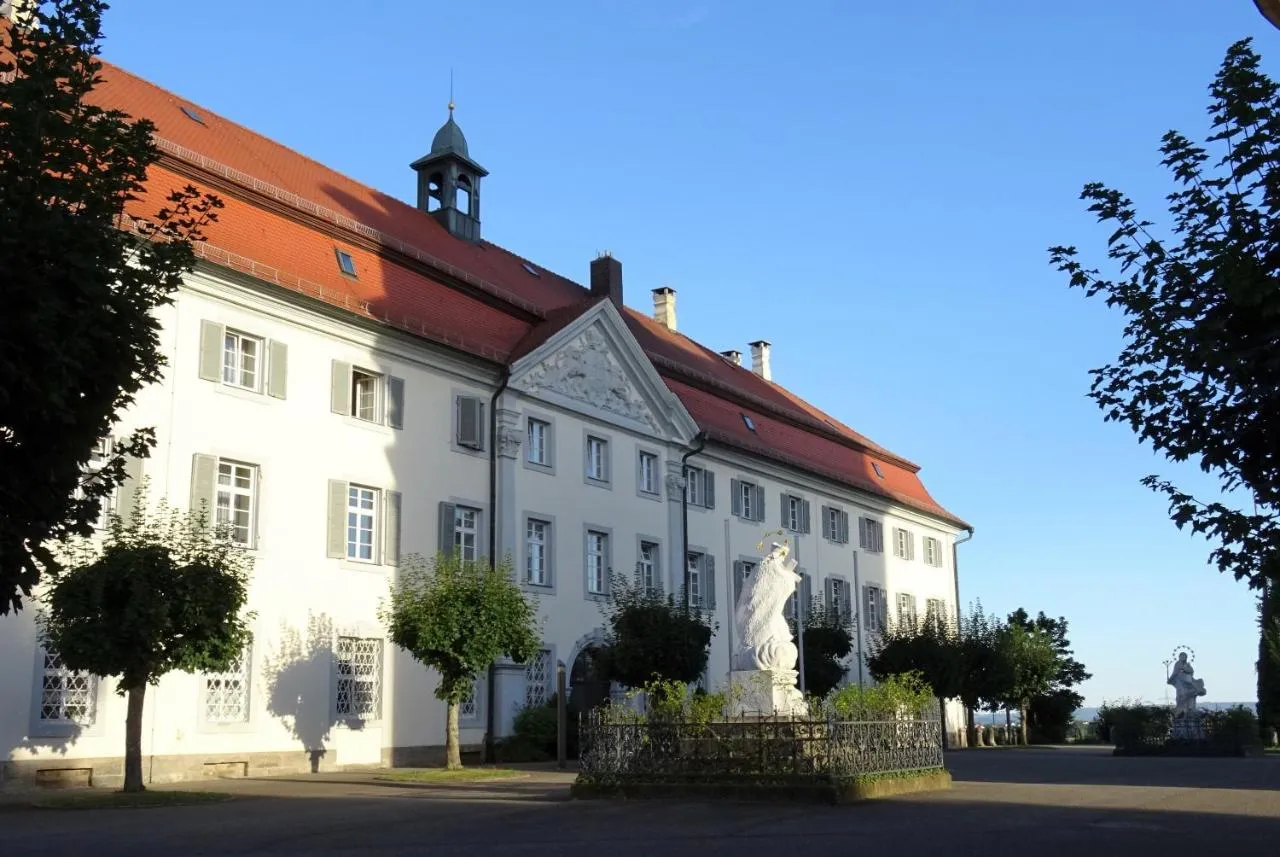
[754, 750]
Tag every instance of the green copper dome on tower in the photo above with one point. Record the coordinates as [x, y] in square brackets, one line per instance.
[449, 140]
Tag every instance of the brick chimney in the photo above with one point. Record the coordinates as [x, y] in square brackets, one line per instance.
[733, 355]
[760, 359]
[606, 278]
[664, 307]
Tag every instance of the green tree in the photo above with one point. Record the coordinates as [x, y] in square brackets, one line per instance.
[1269, 660]
[651, 636]
[1024, 668]
[1051, 713]
[1199, 375]
[828, 640]
[978, 633]
[458, 617]
[163, 592]
[78, 339]
[930, 648]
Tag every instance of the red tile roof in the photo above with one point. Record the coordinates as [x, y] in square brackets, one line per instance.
[285, 214]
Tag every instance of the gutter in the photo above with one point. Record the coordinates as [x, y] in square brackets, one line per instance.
[489, 718]
[700, 441]
[955, 567]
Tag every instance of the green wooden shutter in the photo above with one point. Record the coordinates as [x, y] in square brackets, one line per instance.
[829, 592]
[735, 497]
[806, 526]
[277, 369]
[391, 528]
[336, 543]
[211, 345]
[759, 489]
[739, 578]
[708, 489]
[395, 402]
[783, 517]
[470, 422]
[445, 537]
[709, 580]
[204, 473]
[340, 388]
[844, 528]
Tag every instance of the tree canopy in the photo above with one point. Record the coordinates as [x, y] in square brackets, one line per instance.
[828, 640]
[652, 637]
[1199, 374]
[162, 592]
[78, 338]
[458, 617]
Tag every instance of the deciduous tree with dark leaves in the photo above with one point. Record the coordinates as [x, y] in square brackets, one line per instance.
[163, 591]
[80, 281]
[1051, 713]
[1199, 375]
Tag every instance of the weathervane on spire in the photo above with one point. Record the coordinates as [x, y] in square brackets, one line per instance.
[451, 104]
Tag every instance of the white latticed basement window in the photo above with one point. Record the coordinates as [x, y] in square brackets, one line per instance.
[226, 694]
[359, 690]
[468, 707]
[536, 677]
[66, 696]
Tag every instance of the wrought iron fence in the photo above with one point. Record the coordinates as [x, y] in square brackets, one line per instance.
[754, 750]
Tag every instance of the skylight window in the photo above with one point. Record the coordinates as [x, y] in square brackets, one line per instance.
[346, 263]
[531, 269]
[751, 424]
[191, 114]
[879, 472]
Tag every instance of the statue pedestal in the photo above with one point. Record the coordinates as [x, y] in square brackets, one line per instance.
[1189, 727]
[766, 693]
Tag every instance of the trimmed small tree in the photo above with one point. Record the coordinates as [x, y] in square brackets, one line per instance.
[652, 637]
[828, 640]
[458, 617]
[164, 591]
[78, 336]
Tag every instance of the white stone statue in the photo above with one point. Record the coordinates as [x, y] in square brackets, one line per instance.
[764, 665]
[1186, 686]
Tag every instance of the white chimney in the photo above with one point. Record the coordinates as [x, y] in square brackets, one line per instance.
[733, 355]
[664, 307]
[760, 359]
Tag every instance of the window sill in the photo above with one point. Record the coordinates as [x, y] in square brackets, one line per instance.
[368, 425]
[649, 495]
[366, 567]
[597, 596]
[355, 724]
[549, 469]
[207, 728]
[242, 394]
[598, 483]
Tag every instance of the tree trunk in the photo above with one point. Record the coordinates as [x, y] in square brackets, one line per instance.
[133, 739]
[1008, 726]
[972, 728]
[1022, 710]
[452, 754]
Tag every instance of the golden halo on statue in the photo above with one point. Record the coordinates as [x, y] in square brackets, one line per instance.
[1190, 652]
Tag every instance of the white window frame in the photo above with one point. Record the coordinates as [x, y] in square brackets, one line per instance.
[874, 594]
[356, 497]
[870, 534]
[538, 692]
[377, 381]
[838, 584]
[466, 523]
[233, 360]
[597, 555]
[904, 543]
[648, 567]
[53, 672]
[648, 478]
[795, 513]
[542, 543]
[540, 430]
[907, 606]
[933, 551]
[695, 562]
[223, 514]
[345, 672]
[597, 459]
[747, 499]
[694, 487]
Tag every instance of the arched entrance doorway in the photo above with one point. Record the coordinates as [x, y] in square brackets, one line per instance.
[587, 688]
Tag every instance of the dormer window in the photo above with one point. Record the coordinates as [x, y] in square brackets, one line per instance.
[750, 423]
[346, 263]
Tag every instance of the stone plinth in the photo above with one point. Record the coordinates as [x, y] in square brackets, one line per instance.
[766, 693]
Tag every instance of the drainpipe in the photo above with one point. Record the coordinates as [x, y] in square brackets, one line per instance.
[489, 718]
[700, 442]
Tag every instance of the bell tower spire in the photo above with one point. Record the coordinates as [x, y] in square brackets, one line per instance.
[449, 181]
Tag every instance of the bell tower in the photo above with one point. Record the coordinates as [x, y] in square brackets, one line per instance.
[449, 182]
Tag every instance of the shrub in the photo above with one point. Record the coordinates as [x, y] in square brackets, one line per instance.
[1137, 727]
[1233, 728]
[894, 696]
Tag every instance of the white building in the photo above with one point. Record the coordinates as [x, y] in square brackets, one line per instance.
[352, 379]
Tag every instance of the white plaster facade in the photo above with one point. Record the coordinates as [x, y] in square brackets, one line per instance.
[589, 380]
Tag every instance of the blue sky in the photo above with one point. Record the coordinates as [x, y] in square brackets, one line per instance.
[870, 186]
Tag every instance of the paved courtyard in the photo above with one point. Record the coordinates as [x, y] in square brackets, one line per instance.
[1078, 802]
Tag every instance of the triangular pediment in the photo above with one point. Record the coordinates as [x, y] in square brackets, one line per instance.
[595, 367]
